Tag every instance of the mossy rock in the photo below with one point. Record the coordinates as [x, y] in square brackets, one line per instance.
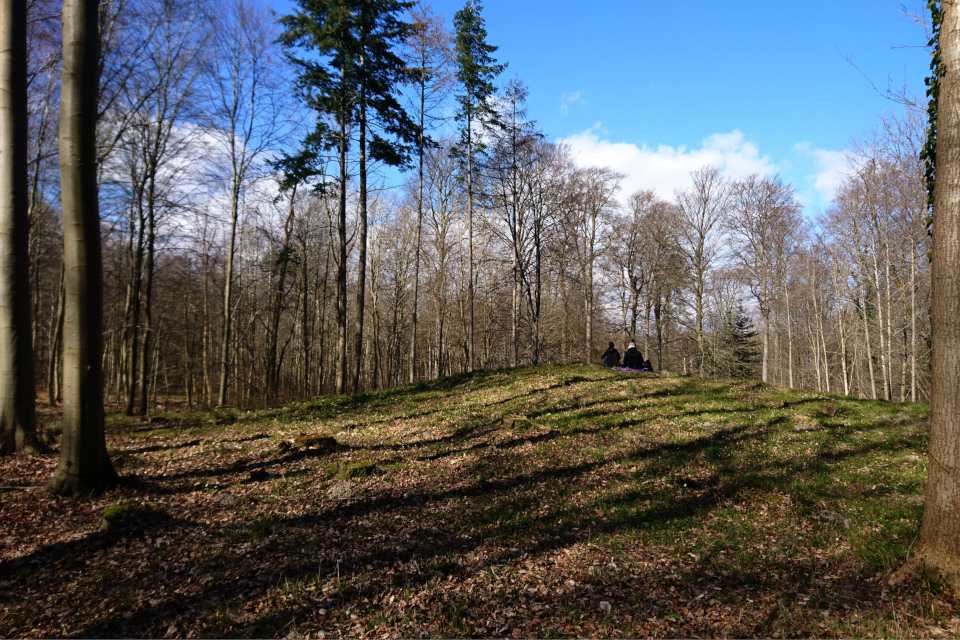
[349, 469]
[223, 415]
[520, 422]
[315, 442]
[127, 514]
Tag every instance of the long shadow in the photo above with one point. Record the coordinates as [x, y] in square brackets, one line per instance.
[20, 568]
[482, 498]
[162, 447]
[426, 542]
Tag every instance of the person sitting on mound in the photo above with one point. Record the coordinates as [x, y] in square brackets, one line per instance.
[632, 358]
[611, 357]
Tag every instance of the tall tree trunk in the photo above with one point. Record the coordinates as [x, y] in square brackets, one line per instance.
[305, 321]
[17, 385]
[341, 259]
[786, 295]
[205, 343]
[470, 340]
[913, 323]
[884, 369]
[362, 247]
[658, 321]
[148, 261]
[84, 464]
[940, 533]
[56, 333]
[765, 369]
[842, 332]
[283, 259]
[515, 314]
[866, 332]
[421, 143]
[227, 295]
[131, 329]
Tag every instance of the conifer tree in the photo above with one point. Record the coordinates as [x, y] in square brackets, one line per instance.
[350, 76]
[740, 337]
[476, 70]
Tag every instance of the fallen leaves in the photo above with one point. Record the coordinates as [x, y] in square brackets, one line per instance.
[659, 512]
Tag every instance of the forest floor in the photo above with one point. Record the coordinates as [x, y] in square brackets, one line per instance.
[537, 502]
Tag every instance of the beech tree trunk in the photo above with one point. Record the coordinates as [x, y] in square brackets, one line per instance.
[940, 533]
[84, 465]
[17, 384]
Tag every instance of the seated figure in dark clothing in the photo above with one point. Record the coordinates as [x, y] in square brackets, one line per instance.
[611, 357]
[632, 358]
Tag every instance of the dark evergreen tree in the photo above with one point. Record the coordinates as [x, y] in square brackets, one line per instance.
[740, 338]
[351, 77]
[476, 70]
[735, 351]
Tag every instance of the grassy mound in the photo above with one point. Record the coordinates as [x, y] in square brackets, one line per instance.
[547, 501]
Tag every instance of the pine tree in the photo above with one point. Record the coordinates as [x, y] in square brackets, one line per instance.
[736, 351]
[351, 76]
[476, 70]
[741, 340]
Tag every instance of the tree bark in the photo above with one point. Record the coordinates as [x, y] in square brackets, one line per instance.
[84, 464]
[341, 257]
[147, 292]
[227, 295]
[940, 533]
[362, 247]
[17, 384]
[470, 339]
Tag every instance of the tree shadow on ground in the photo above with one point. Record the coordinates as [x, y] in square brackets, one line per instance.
[504, 511]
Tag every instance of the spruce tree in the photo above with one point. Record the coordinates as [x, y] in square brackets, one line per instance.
[350, 76]
[476, 70]
[741, 341]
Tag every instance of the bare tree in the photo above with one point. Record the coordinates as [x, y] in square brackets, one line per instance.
[701, 208]
[247, 116]
[592, 198]
[764, 213]
[429, 52]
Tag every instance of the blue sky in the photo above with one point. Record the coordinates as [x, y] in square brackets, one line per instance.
[655, 89]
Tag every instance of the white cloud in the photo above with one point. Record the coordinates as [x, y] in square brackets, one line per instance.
[665, 169]
[830, 168]
[568, 99]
